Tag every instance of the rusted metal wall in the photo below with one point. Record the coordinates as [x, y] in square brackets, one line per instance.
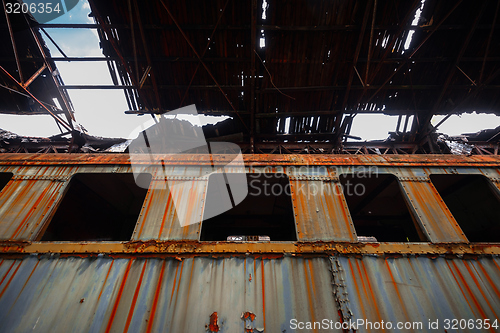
[29, 199]
[180, 295]
[161, 295]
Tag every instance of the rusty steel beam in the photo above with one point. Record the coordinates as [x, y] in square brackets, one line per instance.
[13, 42]
[371, 41]
[195, 52]
[255, 160]
[68, 126]
[146, 52]
[489, 43]
[412, 53]
[390, 46]
[195, 248]
[457, 61]
[203, 54]
[356, 56]
[67, 108]
[34, 76]
[253, 51]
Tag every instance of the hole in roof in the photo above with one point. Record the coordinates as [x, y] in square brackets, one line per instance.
[414, 23]
[265, 5]
[466, 123]
[363, 126]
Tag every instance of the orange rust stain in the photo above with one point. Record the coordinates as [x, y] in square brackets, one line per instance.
[309, 296]
[20, 197]
[29, 277]
[247, 315]
[175, 282]
[106, 279]
[8, 282]
[458, 284]
[263, 293]
[396, 288]
[155, 301]
[213, 326]
[169, 199]
[134, 298]
[190, 280]
[478, 285]
[487, 276]
[12, 265]
[370, 289]
[150, 200]
[311, 270]
[364, 287]
[118, 297]
[466, 285]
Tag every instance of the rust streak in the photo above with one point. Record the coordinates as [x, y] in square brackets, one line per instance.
[134, 298]
[487, 276]
[466, 285]
[370, 288]
[8, 282]
[175, 282]
[106, 279]
[155, 301]
[263, 293]
[308, 279]
[117, 301]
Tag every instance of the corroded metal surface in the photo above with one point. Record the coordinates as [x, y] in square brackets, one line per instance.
[159, 215]
[188, 248]
[417, 289]
[162, 295]
[315, 201]
[321, 214]
[261, 159]
[181, 295]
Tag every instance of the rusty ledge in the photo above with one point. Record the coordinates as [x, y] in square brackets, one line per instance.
[261, 159]
[212, 248]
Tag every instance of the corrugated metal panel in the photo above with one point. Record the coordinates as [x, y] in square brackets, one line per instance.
[24, 205]
[162, 295]
[419, 289]
[321, 212]
[169, 295]
[162, 208]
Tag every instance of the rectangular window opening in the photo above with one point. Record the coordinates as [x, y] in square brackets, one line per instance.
[5, 177]
[98, 207]
[474, 203]
[378, 209]
[265, 213]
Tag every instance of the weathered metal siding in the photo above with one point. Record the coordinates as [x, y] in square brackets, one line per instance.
[24, 204]
[159, 217]
[162, 295]
[321, 212]
[28, 200]
[419, 289]
[170, 295]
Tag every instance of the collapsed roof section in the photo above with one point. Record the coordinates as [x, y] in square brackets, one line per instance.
[29, 80]
[294, 74]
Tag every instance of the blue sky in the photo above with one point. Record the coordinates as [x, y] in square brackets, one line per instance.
[101, 112]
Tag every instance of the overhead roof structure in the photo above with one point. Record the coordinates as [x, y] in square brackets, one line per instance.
[30, 82]
[294, 74]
